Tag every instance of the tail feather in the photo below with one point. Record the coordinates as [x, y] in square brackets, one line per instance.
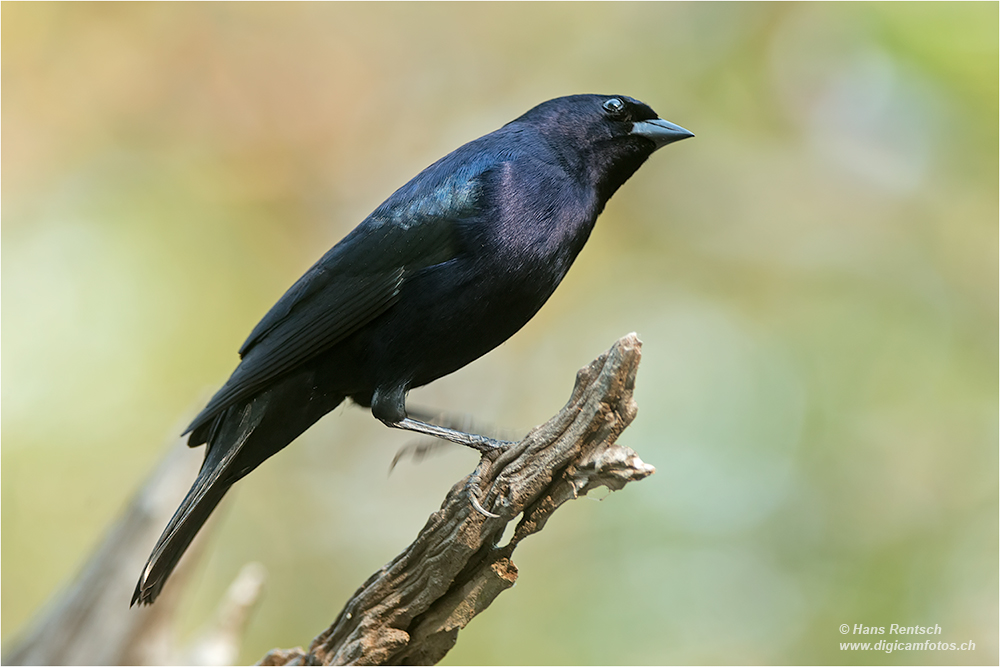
[194, 511]
[239, 439]
[217, 474]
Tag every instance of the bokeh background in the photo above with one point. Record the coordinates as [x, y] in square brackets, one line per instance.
[814, 277]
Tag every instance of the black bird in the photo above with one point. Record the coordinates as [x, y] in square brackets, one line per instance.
[447, 268]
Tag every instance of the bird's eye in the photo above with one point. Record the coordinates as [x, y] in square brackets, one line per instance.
[614, 106]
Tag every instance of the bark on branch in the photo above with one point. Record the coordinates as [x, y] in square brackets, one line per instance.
[411, 610]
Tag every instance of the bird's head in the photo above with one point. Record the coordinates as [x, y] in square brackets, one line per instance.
[606, 136]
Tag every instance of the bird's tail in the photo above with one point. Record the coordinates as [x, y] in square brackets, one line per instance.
[223, 467]
[238, 440]
[185, 524]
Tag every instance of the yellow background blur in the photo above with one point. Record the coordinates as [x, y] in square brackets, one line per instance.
[814, 277]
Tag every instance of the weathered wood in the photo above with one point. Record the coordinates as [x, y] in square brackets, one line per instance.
[411, 610]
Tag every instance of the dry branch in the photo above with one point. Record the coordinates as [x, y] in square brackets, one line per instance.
[411, 610]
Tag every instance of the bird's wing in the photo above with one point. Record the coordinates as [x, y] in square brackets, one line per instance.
[355, 282]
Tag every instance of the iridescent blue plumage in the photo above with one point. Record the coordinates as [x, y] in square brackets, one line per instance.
[448, 267]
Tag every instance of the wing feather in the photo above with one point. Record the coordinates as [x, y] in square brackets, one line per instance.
[355, 282]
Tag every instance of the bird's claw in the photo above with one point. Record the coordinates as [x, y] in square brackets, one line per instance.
[479, 508]
[471, 487]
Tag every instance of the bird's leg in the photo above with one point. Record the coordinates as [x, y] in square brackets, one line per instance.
[424, 446]
[389, 407]
[458, 422]
[478, 442]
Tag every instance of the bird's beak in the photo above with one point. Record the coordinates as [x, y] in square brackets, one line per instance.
[660, 132]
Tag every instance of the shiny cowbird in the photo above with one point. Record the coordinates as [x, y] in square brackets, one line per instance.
[447, 268]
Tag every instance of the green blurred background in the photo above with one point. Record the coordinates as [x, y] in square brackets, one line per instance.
[814, 278]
